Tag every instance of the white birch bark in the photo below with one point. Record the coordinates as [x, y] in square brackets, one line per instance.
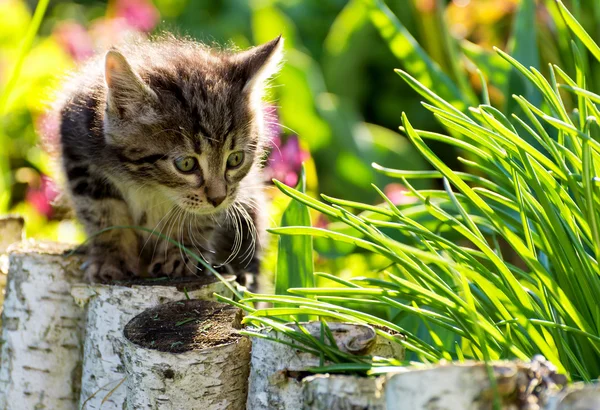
[274, 366]
[214, 378]
[341, 392]
[109, 308]
[466, 386]
[451, 387]
[40, 364]
[577, 397]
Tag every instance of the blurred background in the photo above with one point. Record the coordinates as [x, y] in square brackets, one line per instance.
[337, 98]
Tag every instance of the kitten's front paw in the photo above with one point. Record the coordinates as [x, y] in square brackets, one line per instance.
[173, 263]
[107, 268]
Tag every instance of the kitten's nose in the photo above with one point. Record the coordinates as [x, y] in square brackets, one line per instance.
[216, 200]
[216, 192]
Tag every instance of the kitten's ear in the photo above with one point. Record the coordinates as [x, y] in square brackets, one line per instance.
[261, 62]
[126, 90]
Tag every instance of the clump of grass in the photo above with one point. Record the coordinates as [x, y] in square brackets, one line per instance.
[504, 258]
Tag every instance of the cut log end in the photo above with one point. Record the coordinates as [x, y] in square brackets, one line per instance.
[109, 309]
[184, 326]
[182, 284]
[44, 248]
[186, 355]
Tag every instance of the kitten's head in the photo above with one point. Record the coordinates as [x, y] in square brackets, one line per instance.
[186, 121]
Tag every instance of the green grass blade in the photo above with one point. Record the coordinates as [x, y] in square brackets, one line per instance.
[578, 30]
[295, 253]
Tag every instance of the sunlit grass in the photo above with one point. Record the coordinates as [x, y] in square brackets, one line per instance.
[520, 275]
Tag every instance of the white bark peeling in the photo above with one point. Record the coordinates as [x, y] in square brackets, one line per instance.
[41, 332]
[109, 308]
[215, 378]
[273, 364]
[340, 392]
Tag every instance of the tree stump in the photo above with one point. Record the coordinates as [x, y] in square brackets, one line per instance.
[187, 355]
[109, 308]
[41, 329]
[341, 392]
[276, 369]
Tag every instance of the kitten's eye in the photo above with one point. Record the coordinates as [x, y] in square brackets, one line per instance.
[186, 164]
[235, 159]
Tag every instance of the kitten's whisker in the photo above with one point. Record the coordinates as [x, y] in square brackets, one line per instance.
[166, 243]
[282, 126]
[159, 240]
[154, 229]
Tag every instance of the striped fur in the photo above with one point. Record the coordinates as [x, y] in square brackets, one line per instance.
[126, 118]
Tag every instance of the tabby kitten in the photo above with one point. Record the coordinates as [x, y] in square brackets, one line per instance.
[169, 135]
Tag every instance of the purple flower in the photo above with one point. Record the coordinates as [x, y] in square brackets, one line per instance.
[42, 196]
[285, 161]
[74, 39]
[139, 14]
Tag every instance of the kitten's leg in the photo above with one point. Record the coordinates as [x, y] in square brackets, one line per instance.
[112, 255]
[170, 260]
[167, 259]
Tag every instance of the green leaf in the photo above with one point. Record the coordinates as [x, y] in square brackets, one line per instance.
[295, 253]
[578, 30]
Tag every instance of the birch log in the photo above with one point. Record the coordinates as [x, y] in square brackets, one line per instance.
[276, 369]
[40, 364]
[187, 355]
[109, 308]
[576, 397]
[466, 386]
[341, 392]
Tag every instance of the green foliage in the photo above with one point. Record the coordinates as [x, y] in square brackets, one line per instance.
[520, 273]
[498, 255]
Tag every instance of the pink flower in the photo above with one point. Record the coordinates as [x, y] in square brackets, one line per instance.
[321, 222]
[397, 194]
[74, 39]
[106, 32]
[41, 197]
[139, 14]
[286, 160]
